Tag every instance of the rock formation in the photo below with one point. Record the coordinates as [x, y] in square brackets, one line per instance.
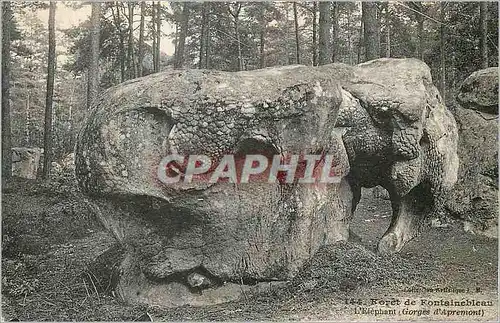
[200, 243]
[401, 136]
[479, 91]
[380, 193]
[475, 197]
[25, 161]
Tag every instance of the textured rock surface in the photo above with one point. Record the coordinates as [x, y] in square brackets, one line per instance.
[475, 197]
[196, 243]
[380, 193]
[25, 161]
[399, 135]
[480, 91]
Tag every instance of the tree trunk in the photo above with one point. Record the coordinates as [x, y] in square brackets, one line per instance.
[297, 39]
[207, 42]
[315, 34]
[262, 36]
[335, 22]
[483, 22]
[290, 53]
[387, 31]
[360, 37]
[453, 77]
[237, 33]
[202, 34]
[325, 24]
[28, 121]
[371, 30]
[418, 6]
[442, 48]
[262, 41]
[130, 55]
[236, 17]
[158, 36]
[418, 10]
[349, 42]
[6, 126]
[117, 21]
[176, 36]
[421, 38]
[153, 33]
[47, 140]
[141, 40]
[179, 60]
[93, 80]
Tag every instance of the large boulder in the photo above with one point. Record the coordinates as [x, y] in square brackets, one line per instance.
[475, 197]
[479, 91]
[202, 243]
[25, 161]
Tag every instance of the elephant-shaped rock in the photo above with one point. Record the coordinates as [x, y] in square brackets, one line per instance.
[382, 123]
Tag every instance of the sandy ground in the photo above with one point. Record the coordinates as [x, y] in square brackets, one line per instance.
[49, 238]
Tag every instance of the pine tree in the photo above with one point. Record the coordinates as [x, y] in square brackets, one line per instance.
[51, 66]
[93, 72]
[6, 119]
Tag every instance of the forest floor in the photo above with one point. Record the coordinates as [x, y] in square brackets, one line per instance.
[49, 239]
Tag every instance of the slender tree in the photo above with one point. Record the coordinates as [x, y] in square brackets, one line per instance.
[28, 120]
[483, 22]
[51, 66]
[262, 36]
[315, 33]
[325, 26]
[297, 33]
[181, 42]
[6, 126]
[235, 13]
[153, 34]
[207, 38]
[371, 30]
[140, 53]
[131, 66]
[118, 24]
[387, 21]
[158, 35]
[360, 37]
[418, 9]
[349, 35]
[335, 31]
[93, 71]
[203, 32]
[289, 51]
